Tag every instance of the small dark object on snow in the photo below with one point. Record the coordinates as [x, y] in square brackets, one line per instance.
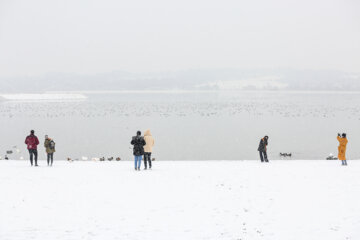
[118, 159]
[9, 152]
[285, 154]
[6, 157]
[331, 156]
[69, 159]
[110, 158]
[102, 159]
[153, 159]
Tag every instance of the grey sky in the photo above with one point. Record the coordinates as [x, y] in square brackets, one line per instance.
[87, 37]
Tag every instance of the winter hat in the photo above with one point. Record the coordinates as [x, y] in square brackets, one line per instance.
[344, 135]
[138, 133]
[32, 131]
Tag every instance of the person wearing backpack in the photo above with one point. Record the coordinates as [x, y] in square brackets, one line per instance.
[138, 151]
[32, 141]
[49, 145]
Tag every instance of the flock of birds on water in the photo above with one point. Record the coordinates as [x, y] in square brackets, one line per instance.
[260, 107]
[16, 151]
[84, 109]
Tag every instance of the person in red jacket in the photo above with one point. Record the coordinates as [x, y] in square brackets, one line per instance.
[32, 141]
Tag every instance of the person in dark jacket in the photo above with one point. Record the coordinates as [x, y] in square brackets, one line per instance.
[32, 141]
[263, 149]
[138, 151]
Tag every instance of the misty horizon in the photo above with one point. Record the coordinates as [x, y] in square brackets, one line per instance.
[189, 80]
[96, 37]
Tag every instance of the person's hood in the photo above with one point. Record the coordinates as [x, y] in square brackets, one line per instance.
[147, 133]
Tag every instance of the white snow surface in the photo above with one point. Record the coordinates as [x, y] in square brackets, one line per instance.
[180, 200]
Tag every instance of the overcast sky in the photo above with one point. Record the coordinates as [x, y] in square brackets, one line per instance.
[84, 36]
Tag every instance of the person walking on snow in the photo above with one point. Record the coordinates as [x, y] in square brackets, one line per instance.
[49, 145]
[138, 142]
[342, 148]
[263, 149]
[149, 140]
[32, 141]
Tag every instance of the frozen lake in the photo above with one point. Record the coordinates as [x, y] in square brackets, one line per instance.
[186, 125]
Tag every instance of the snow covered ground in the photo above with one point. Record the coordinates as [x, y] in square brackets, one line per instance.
[180, 200]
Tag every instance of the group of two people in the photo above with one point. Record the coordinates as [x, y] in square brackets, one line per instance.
[142, 147]
[341, 148]
[32, 142]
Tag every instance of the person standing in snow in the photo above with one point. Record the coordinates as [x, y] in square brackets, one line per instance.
[149, 140]
[32, 141]
[49, 145]
[138, 151]
[342, 148]
[263, 149]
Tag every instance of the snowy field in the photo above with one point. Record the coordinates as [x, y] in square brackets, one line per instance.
[287, 200]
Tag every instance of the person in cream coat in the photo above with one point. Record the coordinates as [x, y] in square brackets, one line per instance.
[149, 140]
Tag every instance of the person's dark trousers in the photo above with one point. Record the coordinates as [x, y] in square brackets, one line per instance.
[147, 158]
[33, 153]
[263, 156]
[50, 159]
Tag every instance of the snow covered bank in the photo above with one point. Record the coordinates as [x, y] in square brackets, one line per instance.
[180, 200]
[45, 96]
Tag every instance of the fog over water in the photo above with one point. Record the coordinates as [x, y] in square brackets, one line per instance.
[187, 125]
